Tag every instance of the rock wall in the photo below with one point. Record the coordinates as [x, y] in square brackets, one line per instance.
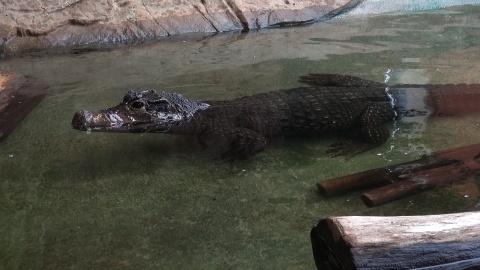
[36, 25]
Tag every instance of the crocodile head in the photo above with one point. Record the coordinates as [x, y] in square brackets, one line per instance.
[146, 111]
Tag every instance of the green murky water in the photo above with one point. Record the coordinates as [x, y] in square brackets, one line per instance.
[127, 201]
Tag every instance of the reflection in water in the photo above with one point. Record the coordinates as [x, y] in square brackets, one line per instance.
[69, 199]
[413, 112]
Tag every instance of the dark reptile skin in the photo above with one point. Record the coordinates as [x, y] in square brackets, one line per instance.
[242, 126]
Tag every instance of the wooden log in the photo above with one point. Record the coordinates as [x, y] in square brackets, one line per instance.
[18, 96]
[416, 182]
[453, 100]
[450, 241]
[363, 179]
[439, 169]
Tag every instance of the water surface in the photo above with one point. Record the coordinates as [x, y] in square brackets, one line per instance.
[99, 201]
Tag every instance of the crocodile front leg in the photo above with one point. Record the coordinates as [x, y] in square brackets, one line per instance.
[370, 131]
[234, 143]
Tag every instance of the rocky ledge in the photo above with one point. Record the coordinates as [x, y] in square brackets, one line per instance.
[27, 25]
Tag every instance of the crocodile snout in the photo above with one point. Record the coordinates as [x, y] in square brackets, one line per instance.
[80, 120]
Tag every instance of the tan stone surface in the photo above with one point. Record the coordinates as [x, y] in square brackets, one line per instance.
[32, 24]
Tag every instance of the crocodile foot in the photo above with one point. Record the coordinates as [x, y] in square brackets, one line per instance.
[349, 148]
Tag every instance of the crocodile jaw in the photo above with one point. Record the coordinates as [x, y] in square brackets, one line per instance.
[97, 121]
[102, 121]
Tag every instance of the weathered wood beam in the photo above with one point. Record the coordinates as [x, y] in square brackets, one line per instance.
[450, 241]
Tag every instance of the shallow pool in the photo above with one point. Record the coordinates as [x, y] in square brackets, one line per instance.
[69, 199]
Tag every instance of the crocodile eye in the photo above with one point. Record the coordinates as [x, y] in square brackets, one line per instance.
[137, 104]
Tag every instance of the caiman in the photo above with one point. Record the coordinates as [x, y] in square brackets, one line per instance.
[242, 127]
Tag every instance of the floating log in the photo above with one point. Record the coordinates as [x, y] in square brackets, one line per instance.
[18, 96]
[450, 241]
[415, 183]
[453, 100]
[360, 180]
[439, 169]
